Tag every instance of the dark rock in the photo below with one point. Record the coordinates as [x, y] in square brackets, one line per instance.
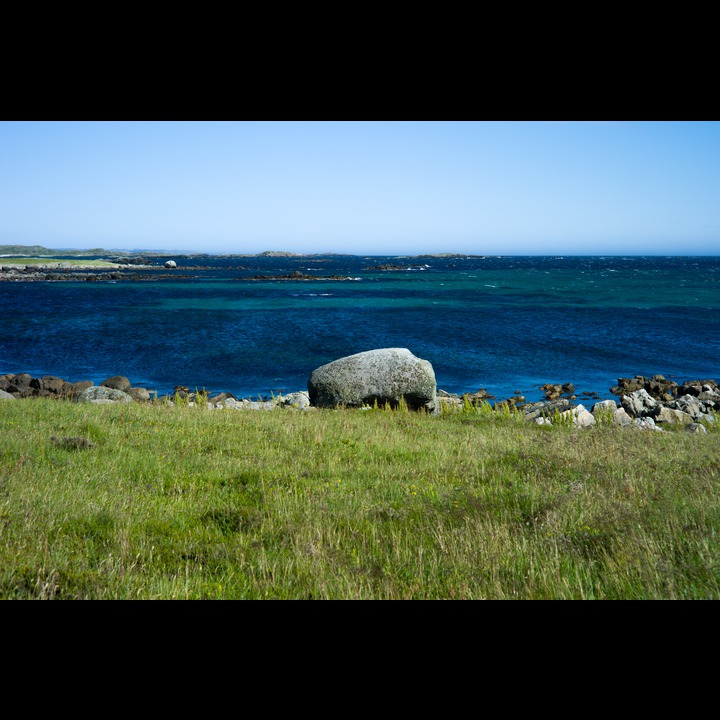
[511, 403]
[53, 384]
[21, 379]
[445, 393]
[72, 443]
[695, 387]
[659, 387]
[42, 393]
[72, 390]
[546, 408]
[387, 266]
[117, 382]
[139, 394]
[479, 396]
[297, 276]
[628, 385]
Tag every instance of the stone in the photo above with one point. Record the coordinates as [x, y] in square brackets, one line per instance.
[220, 398]
[621, 418]
[170, 264]
[661, 388]
[72, 443]
[51, 383]
[449, 402]
[139, 394]
[384, 376]
[117, 382]
[479, 396]
[545, 408]
[72, 390]
[671, 415]
[103, 394]
[583, 418]
[552, 391]
[691, 405]
[628, 385]
[639, 404]
[6, 395]
[297, 399]
[604, 405]
[645, 423]
[21, 381]
[580, 416]
[20, 390]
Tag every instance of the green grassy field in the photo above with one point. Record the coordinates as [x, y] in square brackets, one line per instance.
[188, 503]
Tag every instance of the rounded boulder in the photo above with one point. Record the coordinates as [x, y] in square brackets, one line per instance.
[103, 394]
[386, 375]
[117, 382]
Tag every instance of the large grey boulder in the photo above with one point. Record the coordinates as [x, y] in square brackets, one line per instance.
[103, 394]
[385, 375]
[6, 395]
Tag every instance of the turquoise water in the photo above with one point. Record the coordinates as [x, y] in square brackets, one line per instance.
[503, 324]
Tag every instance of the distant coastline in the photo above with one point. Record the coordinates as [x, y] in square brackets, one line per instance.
[39, 251]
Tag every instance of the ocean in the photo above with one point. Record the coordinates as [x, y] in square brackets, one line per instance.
[505, 324]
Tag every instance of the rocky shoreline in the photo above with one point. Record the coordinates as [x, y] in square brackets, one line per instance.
[644, 403]
[134, 272]
[71, 272]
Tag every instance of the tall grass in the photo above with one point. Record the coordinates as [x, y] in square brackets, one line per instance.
[185, 502]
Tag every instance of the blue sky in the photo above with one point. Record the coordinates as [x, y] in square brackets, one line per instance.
[365, 188]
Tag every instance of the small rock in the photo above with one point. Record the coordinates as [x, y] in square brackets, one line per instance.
[72, 443]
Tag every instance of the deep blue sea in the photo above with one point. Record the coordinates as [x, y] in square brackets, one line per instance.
[505, 324]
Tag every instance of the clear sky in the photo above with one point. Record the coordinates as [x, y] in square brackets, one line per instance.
[365, 187]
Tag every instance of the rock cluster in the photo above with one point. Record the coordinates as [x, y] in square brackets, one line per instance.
[23, 385]
[297, 276]
[59, 272]
[393, 375]
[387, 266]
[645, 403]
[119, 389]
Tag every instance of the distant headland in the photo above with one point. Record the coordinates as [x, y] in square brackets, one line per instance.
[44, 252]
